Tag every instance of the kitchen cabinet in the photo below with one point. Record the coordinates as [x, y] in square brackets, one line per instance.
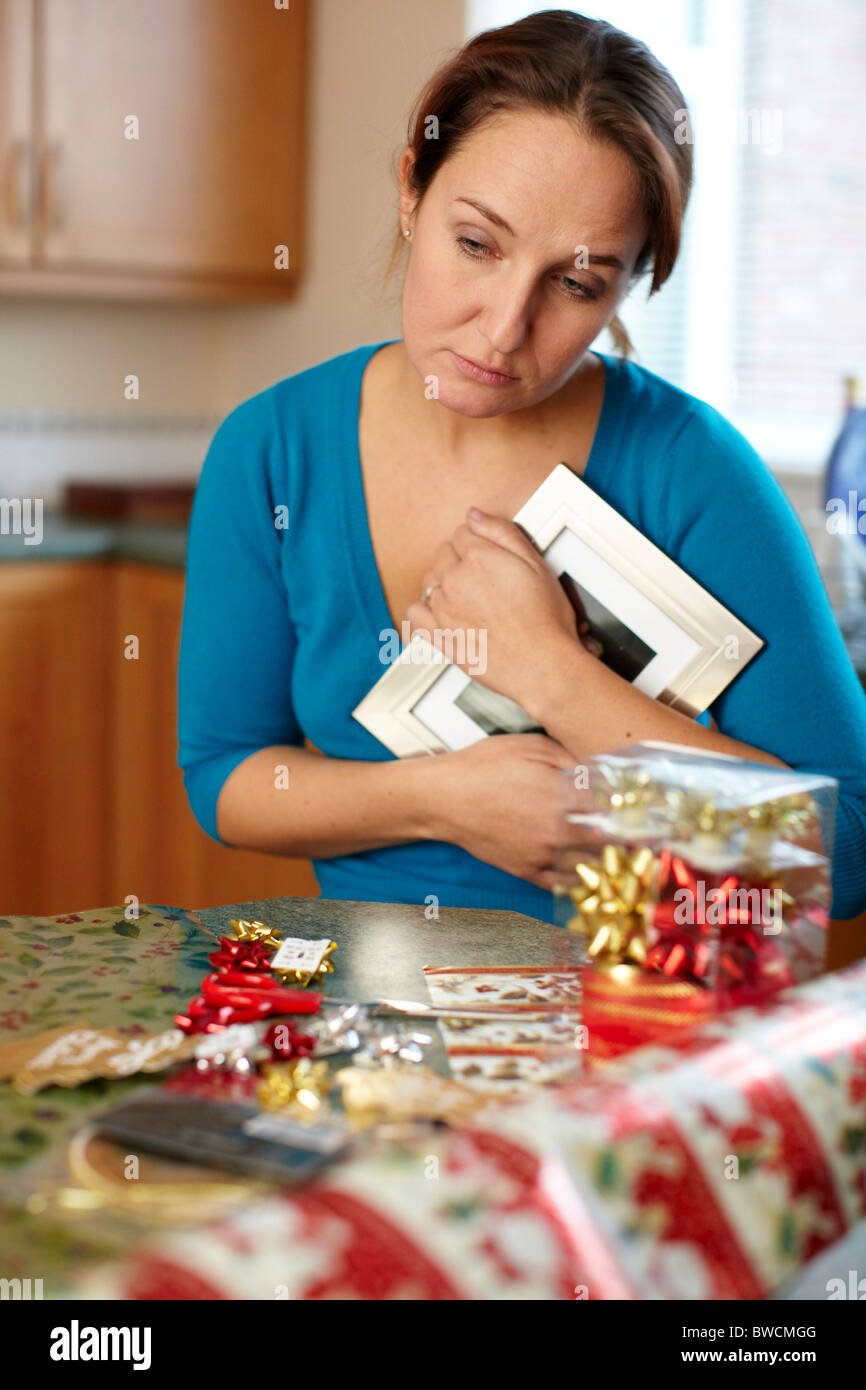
[152, 151]
[92, 803]
[16, 133]
[54, 708]
[160, 853]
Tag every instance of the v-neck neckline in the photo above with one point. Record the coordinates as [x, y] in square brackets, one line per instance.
[368, 586]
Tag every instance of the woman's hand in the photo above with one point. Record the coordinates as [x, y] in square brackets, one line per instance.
[499, 600]
[498, 800]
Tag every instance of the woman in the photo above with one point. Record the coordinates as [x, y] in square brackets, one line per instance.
[542, 176]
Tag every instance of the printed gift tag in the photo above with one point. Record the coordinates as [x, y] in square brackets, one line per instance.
[301, 959]
[72, 1055]
[504, 1058]
[15, 1055]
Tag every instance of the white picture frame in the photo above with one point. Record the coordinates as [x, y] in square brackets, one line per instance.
[657, 626]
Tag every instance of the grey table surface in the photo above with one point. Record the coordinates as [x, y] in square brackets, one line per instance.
[76, 538]
[382, 948]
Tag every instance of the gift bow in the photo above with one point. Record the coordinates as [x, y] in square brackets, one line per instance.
[614, 900]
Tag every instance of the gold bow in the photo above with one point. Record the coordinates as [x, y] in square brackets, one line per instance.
[612, 899]
[256, 931]
[299, 1087]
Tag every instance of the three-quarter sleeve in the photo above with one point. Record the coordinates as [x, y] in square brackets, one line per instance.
[237, 638]
[732, 528]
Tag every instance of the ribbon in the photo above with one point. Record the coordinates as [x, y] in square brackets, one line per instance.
[285, 1042]
[653, 911]
[203, 1016]
[299, 1087]
[256, 931]
[724, 944]
[613, 899]
[241, 955]
[243, 988]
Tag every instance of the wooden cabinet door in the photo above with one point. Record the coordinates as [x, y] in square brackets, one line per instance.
[55, 711]
[214, 90]
[17, 154]
[160, 853]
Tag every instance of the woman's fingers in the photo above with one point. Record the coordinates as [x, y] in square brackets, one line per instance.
[499, 530]
[445, 557]
[549, 749]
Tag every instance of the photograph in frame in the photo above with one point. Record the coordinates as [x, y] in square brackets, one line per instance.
[643, 615]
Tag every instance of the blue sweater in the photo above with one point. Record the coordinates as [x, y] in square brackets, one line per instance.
[281, 627]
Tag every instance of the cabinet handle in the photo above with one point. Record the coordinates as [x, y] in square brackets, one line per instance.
[18, 185]
[53, 186]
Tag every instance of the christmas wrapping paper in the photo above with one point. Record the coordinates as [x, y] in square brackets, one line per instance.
[102, 967]
[510, 1058]
[717, 1167]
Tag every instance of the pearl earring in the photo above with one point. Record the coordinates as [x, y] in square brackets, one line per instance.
[407, 232]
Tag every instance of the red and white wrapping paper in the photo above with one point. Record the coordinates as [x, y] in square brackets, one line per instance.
[718, 1167]
[511, 1058]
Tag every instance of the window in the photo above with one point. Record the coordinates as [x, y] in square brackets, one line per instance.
[763, 316]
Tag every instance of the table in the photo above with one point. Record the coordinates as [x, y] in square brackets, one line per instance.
[103, 968]
[485, 1230]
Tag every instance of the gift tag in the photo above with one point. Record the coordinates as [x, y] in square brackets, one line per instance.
[299, 956]
[78, 1054]
[15, 1055]
[372, 1095]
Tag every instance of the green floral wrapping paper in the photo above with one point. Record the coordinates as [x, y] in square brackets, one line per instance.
[98, 967]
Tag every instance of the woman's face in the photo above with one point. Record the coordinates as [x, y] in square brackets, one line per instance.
[521, 250]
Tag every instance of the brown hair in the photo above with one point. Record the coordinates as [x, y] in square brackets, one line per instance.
[565, 63]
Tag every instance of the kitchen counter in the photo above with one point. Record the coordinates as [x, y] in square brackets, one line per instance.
[77, 538]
